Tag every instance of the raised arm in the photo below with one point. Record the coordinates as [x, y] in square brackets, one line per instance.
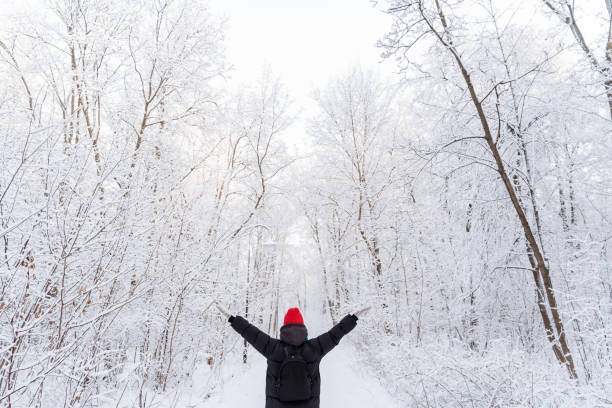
[256, 338]
[329, 340]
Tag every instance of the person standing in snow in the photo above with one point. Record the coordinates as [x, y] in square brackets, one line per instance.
[292, 377]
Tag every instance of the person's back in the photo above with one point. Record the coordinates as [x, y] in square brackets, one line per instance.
[292, 376]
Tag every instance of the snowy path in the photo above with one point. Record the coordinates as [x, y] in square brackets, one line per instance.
[343, 384]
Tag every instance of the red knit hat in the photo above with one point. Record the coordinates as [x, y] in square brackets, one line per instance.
[293, 316]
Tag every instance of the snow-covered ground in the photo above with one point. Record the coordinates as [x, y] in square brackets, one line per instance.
[343, 382]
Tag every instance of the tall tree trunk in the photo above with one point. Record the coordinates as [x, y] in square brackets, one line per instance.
[551, 318]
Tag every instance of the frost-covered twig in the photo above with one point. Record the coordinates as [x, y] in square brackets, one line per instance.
[362, 311]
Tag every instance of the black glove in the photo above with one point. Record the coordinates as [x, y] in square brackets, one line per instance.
[231, 319]
[354, 317]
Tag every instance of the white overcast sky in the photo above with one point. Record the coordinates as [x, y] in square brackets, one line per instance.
[303, 42]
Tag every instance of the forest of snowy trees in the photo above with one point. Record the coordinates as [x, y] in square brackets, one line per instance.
[470, 204]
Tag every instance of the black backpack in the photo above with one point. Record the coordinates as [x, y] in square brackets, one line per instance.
[294, 380]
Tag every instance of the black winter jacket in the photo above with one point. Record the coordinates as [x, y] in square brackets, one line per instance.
[312, 352]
